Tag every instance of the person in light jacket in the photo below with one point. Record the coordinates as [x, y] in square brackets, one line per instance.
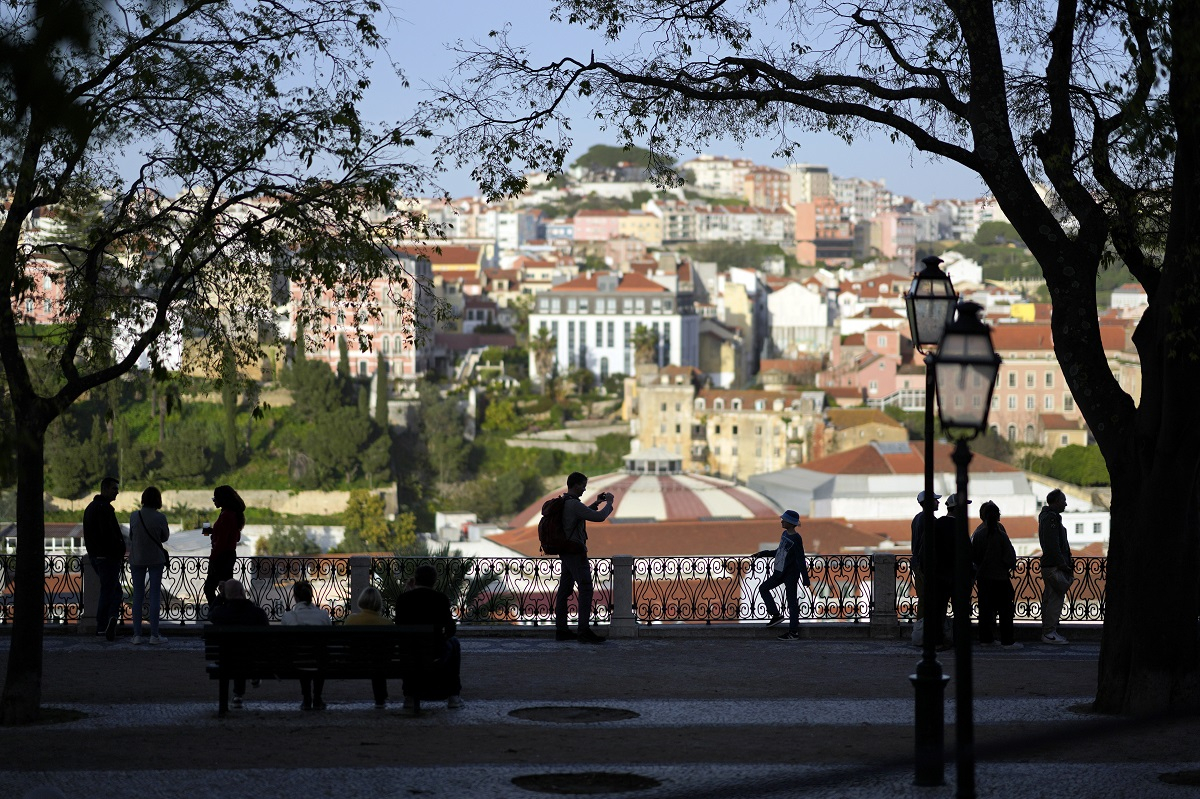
[370, 614]
[305, 614]
[790, 568]
[148, 531]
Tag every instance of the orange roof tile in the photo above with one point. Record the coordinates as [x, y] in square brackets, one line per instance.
[629, 282]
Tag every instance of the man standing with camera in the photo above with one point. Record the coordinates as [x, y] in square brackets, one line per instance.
[575, 567]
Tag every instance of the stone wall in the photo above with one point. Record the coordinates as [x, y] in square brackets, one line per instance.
[323, 503]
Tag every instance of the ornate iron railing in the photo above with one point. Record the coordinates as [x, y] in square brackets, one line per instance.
[1085, 600]
[522, 590]
[708, 589]
[63, 588]
[497, 590]
[267, 580]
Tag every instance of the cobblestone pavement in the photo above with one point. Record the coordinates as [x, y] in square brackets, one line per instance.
[728, 717]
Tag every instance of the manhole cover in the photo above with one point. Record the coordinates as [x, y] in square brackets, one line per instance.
[585, 782]
[573, 715]
[1181, 778]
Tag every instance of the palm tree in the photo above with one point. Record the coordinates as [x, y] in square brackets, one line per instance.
[645, 344]
[544, 346]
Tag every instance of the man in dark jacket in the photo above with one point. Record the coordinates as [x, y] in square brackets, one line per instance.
[917, 563]
[234, 609]
[790, 567]
[1057, 565]
[575, 567]
[940, 584]
[106, 550]
[424, 604]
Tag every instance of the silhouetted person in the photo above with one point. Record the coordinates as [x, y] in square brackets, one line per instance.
[226, 534]
[235, 610]
[106, 550]
[148, 530]
[1058, 567]
[426, 605]
[305, 614]
[790, 568]
[370, 614]
[916, 565]
[941, 583]
[994, 558]
[576, 571]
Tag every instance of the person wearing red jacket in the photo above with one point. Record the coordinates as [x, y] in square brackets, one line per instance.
[226, 534]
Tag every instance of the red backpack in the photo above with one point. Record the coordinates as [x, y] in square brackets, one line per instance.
[551, 534]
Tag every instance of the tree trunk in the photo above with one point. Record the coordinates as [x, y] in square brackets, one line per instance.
[23, 683]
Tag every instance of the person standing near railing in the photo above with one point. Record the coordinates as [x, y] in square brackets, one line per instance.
[994, 558]
[105, 546]
[576, 571]
[148, 530]
[916, 566]
[790, 568]
[1058, 568]
[226, 534]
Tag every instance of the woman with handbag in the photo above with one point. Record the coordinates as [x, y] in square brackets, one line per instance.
[147, 559]
[226, 534]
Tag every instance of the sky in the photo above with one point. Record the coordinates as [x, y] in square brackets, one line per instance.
[419, 36]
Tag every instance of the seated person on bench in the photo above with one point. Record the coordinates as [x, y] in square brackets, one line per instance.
[426, 605]
[305, 613]
[236, 610]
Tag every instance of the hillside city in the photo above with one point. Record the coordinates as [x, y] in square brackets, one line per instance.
[711, 354]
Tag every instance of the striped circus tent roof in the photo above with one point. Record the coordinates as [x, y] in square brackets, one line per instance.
[666, 497]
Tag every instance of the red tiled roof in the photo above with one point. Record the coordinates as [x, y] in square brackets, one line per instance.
[629, 282]
[869, 460]
[451, 254]
[843, 418]
[1038, 337]
[790, 365]
[855, 340]
[1056, 421]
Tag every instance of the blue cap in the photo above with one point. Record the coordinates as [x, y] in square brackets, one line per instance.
[790, 516]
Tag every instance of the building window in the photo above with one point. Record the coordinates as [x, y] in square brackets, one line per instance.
[760, 405]
[662, 428]
[1062, 440]
[758, 430]
[873, 385]
[611, 338]
[1078, 529]
[881, 341]
[1048, 403]
[362, 368]
[678, 407]
[611, 305]
[656, 306]
[699, 403]
[677, 429]
[46, 306]
[737, 404]
[1012, 432]
[1096, 527]
[385, 345]
[1030, 379]
[1012, 402]
[1030, 435]
[1029, 403]
[1012, 379]
[1049, 379]
[717, 429]
[600, 335]
[1068, 402]
[604, 368]
[663, 408]
[734, 429]
[719, 404]
[995, 402]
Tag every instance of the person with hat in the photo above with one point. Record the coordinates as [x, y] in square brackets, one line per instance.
[790, 567]
[941, 582]
[917, 565]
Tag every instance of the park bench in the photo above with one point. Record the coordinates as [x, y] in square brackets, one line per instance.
[332, 653]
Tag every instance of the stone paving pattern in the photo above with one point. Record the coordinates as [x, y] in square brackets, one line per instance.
[717, 716]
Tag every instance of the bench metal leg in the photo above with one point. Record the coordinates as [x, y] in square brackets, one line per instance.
[223, 702]
[416, 706]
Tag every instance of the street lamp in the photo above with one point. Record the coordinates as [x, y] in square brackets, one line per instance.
[967, 367]
[930, 302]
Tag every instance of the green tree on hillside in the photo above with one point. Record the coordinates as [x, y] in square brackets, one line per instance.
[291, 540]
[605, 156]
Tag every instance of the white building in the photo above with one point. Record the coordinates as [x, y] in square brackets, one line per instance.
[800, 320]
[808, 181]
[593, 319]
[716, 175]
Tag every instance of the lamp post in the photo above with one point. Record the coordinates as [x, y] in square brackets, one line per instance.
[967, 367]
[930, 302]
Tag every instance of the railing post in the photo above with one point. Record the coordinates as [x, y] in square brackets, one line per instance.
[360, 578]
[624, 623]
[884, 622]
[91, 597]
